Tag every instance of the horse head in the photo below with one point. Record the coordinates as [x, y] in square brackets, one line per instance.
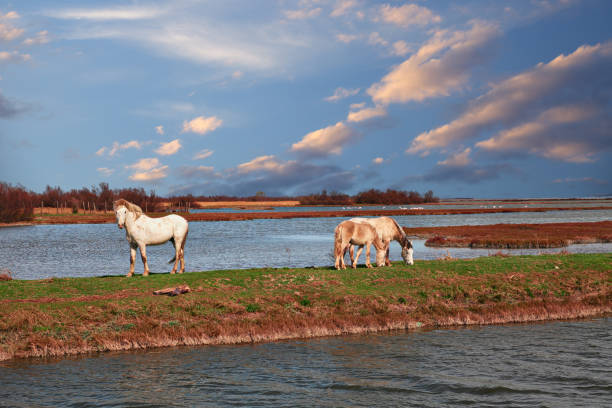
[407, 251]
[120, 214]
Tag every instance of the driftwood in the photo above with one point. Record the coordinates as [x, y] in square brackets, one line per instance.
[173, 291]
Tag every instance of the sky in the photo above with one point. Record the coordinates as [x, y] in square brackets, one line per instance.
[503, 99]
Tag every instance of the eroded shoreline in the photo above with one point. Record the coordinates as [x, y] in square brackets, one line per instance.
[57, 317]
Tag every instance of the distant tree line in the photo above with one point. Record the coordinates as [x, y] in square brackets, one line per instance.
[372, 196]
[17, 203]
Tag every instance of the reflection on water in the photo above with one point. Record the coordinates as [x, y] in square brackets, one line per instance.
[101, 249]
[551, 364]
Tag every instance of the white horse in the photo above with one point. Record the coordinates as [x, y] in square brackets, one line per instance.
[349, 233]
[141, 231]
[388, 230]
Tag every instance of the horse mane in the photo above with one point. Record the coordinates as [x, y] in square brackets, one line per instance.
[133, 208]
[402, 232]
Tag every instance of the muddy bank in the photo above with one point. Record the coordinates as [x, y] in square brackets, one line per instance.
[511, 236]
[55, 317]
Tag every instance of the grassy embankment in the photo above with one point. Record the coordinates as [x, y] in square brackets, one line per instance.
[554, 235]
[80, 315]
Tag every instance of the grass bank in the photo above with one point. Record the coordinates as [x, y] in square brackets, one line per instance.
[55, 317]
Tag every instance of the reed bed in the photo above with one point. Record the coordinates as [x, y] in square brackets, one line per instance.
[553, 235]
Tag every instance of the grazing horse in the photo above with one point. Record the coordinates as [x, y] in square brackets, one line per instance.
[388, 230]
[141, 231]
[349, 233]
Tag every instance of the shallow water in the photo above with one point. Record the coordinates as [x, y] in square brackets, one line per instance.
[37, 252]
[555, 364]
[458, 205]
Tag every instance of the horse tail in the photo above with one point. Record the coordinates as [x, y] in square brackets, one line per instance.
[338, 240]
[184, 240]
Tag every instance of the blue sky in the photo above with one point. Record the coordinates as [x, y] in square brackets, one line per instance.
[467, 98]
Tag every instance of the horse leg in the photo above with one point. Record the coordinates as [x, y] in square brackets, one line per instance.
[182, 269]
[387, 261]
[368, 264]
[352, 253]
[143, 256]
[132, 260]
[354, 262]
[177, 255]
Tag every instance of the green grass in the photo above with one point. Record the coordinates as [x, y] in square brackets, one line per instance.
[362, 281]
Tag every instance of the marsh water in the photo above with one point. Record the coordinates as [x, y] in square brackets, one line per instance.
[555, 364]
[552, 364]
[43, 251]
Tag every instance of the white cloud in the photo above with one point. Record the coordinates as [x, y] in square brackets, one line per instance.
[366, 114]
[408, 15]
[516, 100]
[9, 33]
[11, 15]
[342, 7]
[357, 105]
[144, 164]
[105, 171]
[193, 32]
[159, 130]
[170, 148]
[439, 67]
[460, 159]
[401, 48]
[132, 144]
[346, 38]
[302, 14]
[326, 141]
[580, 180]
[376, 39]
[541, 136]
[378, 160]
[203, 154]
[149, 169]
[42, 37]
[6, 56]
[202, 125]
[100, 151]
[264, 163]
[152, 175]
[101, 14]
[341, 93]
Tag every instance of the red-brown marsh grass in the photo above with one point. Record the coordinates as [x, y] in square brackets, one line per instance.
[553, 235]
[81, 315]
[109, 217]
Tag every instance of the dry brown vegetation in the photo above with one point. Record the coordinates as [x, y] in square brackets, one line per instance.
[69, 316]
[553, 235]
[49, 217]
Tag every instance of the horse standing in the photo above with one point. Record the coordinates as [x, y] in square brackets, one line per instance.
[141, 231]
[388, 230]
[349, 233]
